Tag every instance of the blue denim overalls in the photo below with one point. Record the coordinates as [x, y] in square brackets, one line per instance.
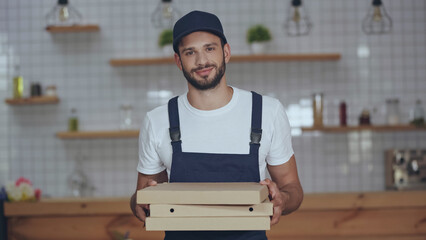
[213, 167]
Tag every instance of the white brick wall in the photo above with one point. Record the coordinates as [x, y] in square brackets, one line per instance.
[77, 63]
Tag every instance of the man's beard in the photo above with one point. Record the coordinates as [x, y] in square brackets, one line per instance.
[205, 84]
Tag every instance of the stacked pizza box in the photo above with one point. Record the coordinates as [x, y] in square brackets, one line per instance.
[206, 206]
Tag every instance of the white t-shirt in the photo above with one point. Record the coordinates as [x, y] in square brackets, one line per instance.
[223, 130]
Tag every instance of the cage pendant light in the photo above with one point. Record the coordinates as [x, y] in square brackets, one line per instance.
[63, 14]
[297, 22]
[377, 20]
[165, 15]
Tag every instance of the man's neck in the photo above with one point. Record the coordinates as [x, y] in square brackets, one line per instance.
[210, 99]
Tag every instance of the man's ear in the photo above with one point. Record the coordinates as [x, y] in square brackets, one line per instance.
[178, 61]
[227, 52]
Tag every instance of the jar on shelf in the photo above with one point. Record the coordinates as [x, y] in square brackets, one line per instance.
[417, 116]
[36, 89]
[392, 111]
[364, 118]
[51, 91]
[126, 121]
[317, 107]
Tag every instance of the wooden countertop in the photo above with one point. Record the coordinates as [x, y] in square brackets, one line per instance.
[311, 202]
[325, 216]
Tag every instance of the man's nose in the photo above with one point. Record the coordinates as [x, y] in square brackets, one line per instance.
[201, 59]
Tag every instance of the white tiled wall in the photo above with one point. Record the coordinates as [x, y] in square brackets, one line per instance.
[77, 63]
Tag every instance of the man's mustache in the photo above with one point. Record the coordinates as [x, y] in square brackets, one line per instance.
[202, 67]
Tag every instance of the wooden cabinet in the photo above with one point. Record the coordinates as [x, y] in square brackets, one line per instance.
[360, 216]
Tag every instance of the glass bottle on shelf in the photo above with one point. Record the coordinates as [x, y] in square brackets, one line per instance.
[342, 113]
[18, 84]
[73, 121]
[417, 117]
[392, 111]
[126, 116]
[317, 107]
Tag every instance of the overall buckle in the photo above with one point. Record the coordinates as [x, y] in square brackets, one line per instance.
[174, 134]
[255, 136]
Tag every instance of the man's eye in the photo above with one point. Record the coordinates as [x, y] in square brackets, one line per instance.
[188, 53]
[210, 49]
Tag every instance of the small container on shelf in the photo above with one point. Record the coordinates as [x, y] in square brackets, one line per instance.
[73, 121]
[126, 116]
[51, 91]
[417, 117]
[392, 111]
[317, 107]
[36, 90]
[18, 84]
[364, 118]
[342, 113]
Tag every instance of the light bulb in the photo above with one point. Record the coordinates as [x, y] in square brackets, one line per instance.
[165, 15]
[377, 20]
[298, 22]
[63, 14]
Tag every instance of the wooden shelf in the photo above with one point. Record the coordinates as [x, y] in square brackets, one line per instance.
[140, 61]
[236, 58]
[74, 28]
[98, 134]
[380, 128]
[32, 100]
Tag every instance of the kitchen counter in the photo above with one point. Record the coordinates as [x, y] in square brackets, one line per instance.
[378, 215]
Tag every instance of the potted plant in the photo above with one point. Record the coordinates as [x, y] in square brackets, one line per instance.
[165, 41]
[257, 36]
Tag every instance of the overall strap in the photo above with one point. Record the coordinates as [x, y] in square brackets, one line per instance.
[256, 123]
[174, 129]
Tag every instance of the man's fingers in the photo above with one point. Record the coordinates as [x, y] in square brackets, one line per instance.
[140, 213]
[266, 181]
[276, 217]
[272, 186]
[152, 182]
[276, 200]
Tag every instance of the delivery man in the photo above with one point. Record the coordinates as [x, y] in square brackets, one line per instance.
[216, 132]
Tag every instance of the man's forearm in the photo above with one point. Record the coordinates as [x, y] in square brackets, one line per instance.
[293, 193]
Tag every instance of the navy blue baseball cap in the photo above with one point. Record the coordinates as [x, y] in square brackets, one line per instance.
[196, 21]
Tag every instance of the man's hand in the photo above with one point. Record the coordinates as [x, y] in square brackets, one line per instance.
[277, 198]
[141, 211]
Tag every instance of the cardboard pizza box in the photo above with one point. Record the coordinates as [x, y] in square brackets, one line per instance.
[207, 223]
[179, 210]
[236, 193]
